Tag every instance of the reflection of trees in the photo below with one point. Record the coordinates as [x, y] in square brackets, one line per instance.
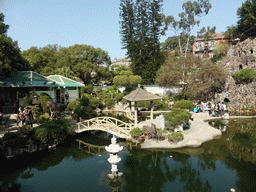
[150, 173]
[143, 174]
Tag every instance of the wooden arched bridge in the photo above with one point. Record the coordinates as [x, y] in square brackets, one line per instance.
[107, 124]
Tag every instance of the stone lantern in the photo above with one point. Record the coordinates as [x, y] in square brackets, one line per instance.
[114, 149]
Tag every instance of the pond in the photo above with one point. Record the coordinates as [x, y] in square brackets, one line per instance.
[218, 165]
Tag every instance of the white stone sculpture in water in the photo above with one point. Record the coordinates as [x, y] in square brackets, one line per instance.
[114, 149]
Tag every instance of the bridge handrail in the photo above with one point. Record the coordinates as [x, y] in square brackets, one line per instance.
[114, 121]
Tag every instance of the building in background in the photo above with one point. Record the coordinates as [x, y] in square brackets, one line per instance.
[205, 49]
[126, 61]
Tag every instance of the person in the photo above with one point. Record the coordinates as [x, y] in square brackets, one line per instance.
[62, 98]
[26, 118]
[195, 110]
[21, 118]
[67, 96]
[224, 108]
[216, 110]
[31, 118]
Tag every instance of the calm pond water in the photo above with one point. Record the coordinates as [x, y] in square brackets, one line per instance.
[218, 165]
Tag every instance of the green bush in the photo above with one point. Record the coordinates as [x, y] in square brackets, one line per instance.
[176, 117]
[11, 139]
[95, 102]
[43, 99]
[185, 104]
[72, 105]
[244, 76]
[43, 119]
[42, 134]
[85, 112]
[2, 148]
[119, 96]
[136, 132]
[28, 101]
[109, 102]
[176, 136]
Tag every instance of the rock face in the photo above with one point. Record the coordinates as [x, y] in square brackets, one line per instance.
[240, 56]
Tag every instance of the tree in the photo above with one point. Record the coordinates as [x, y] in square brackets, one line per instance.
[127, 79]
[188, 20]
[206, 33]
[200, 79]
[10, 58]
[232, 33]
[76, 62]
[172, 43]
[246, 24]
[140, 33]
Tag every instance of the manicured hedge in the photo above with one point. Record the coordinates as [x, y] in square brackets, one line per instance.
[185, 104]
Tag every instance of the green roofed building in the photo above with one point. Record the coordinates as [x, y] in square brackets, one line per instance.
[69, 86]
[22, 83]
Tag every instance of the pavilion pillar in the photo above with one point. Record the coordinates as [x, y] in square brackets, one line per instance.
[151, 111]
[136, 114]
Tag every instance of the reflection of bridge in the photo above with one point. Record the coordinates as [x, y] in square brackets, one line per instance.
[107, 124]
[99, 150]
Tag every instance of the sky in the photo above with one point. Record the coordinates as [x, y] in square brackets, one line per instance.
[92, 22]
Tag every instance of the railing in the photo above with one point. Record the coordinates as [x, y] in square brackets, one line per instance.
[108, 124]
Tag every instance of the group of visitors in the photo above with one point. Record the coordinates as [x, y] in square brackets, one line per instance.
[26, 117]
[66, 95]
[217, 109]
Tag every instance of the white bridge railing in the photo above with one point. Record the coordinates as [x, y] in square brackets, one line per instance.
[107, 124]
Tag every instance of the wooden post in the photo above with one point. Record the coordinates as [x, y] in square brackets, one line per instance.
[136, 115]
[151, 111]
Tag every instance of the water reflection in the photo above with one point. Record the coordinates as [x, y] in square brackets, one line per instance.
[218, 165]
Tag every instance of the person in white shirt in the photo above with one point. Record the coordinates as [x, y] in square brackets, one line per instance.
[224, 108]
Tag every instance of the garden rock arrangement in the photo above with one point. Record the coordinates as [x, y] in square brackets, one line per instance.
[240, 56]
[199, 132]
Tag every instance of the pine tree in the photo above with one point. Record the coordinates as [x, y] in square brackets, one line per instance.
[140, 32]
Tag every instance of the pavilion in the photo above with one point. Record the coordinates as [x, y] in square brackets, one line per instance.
[141, 95]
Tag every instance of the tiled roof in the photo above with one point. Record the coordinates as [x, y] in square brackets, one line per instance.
[214, 36]
[64, 81]
[27, 78]
[141, 95]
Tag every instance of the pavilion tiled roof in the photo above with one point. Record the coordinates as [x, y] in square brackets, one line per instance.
[141, 95]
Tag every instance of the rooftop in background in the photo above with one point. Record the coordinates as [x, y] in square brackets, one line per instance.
[27, 78]
[64, 81]
[214, 36]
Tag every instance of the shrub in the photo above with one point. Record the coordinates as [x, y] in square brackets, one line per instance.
[85, 112]
[43, 99]
[72, 105]
[136, 132]
[109, 102]
[176, 117]
[185, 104]
[42, 134]
[119, 96]
[95, 102]
[43, 119]
[24, 130]
[244, 76]
[176, 136]
[14, 140]
[28, 101]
